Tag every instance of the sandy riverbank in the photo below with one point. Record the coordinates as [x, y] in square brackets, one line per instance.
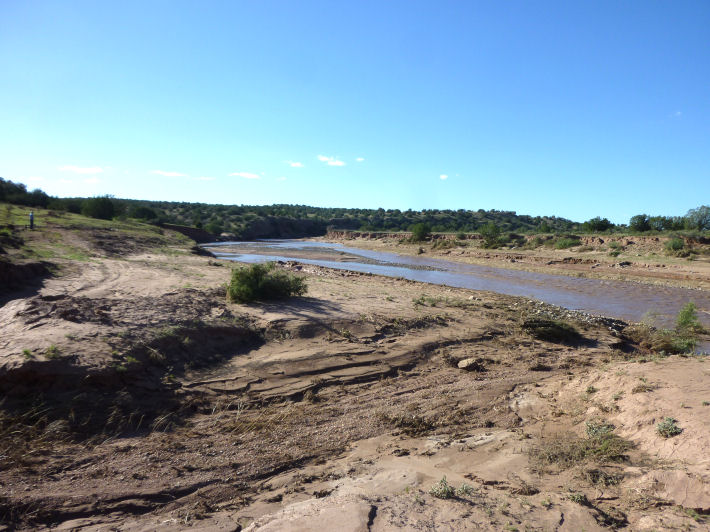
[640, 259]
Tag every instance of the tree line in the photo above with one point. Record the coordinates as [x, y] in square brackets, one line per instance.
[270, 221]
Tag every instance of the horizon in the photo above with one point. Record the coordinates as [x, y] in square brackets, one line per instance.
[574, 111]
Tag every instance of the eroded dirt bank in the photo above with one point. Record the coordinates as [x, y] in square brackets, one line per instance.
[136, 398]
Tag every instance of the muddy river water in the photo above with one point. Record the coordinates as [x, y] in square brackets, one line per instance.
[628, 300]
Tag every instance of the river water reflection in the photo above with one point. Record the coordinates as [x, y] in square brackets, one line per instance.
[621, 299]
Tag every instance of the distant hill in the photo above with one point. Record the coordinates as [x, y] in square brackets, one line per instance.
[290, 221]
[293, 221]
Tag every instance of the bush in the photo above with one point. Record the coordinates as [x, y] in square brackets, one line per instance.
[141, 212]
[674, 246]
[442, 489]
[101, 208]
[491, 235]
[682, 339]
[640, 223]
[668, 428]
[262, 282]
[597, 225]
[420, 232]
[687, 319]
[564, 243]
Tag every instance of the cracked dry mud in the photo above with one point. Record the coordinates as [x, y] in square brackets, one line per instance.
[136, 398]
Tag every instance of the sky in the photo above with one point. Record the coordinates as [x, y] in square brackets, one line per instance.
[574, 109]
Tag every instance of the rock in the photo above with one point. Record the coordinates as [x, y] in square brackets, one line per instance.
[471, 364]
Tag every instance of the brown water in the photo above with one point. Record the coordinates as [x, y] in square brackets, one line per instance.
[627, 300]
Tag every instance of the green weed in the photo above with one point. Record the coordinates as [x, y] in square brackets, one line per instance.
[668, 428]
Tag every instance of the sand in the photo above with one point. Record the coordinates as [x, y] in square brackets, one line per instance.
[138, 398]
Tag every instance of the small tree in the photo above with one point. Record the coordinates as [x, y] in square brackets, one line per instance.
[142, 213]
[491, 235]
[640, 223]
[420, 232]
[698, 218]
[100, 207]
[597, 225]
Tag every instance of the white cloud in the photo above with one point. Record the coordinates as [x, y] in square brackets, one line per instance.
[66, 181]
[677, 114]
[294, 164]
[330, 161]
[204, 178]
[281, 178]
[443, 177]
[81, 169]
[92, 180]
[246, 175]
[168, 174]
[360, 159]
[35, 179]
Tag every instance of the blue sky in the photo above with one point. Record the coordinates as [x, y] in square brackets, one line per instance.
[574, 109]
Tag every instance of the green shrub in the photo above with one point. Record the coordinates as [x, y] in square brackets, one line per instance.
[102, 208]
[682, 339]
[491, 235]
[676, 246]
[262, 282]
[564, 243]
[668, 428]
[535, 242]
[687, 319]
[442, 489]
[420, 232]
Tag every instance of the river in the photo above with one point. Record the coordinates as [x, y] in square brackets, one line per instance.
[627, 300]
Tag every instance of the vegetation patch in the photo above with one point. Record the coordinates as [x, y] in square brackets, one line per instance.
[567, 242]
[409, 424]
[260, 282]
[681, 339]
[566, 451]
[668, 428]
[442, 489]
[551, 330]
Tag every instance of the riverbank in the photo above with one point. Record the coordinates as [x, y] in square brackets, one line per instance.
[639, 259]
[137, 398]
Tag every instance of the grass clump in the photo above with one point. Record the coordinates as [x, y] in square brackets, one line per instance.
[668, 428]
[52, 352]
[598, 429]
[263, 282]
[601, 445]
